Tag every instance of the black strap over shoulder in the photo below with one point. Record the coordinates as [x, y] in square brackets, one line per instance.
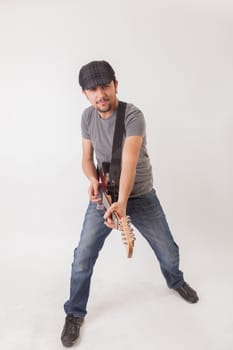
[115, 165]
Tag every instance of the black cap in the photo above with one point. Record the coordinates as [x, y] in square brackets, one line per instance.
[96, 73]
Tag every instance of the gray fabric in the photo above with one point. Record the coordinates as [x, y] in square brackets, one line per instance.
[101, 131]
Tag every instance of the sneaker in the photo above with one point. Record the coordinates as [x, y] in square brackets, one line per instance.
[71, 330]
[188, 293]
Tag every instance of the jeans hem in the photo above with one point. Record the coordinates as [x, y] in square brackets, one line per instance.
[178, 285]
[76, 315]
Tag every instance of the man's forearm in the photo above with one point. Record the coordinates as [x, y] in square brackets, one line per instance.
[126, 182]
[130, 156]
[89, 170]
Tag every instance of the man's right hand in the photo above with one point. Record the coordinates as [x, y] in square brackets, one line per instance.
[93, 191]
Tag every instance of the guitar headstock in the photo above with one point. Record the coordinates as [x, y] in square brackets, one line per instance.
[123, 225]
[127, 234]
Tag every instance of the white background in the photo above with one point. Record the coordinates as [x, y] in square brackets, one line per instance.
[173, 60]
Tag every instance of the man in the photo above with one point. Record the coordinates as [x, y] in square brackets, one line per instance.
[136, 196]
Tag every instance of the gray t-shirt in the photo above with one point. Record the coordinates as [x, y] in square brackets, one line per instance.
[100, 132]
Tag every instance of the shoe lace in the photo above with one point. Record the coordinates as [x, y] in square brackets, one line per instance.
[72, 324]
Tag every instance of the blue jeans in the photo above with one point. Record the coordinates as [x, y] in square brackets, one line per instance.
[148, 217]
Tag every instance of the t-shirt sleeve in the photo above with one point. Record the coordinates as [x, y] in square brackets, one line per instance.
[135, 123]
[84, 126]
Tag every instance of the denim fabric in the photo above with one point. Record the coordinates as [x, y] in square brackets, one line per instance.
[148, 217]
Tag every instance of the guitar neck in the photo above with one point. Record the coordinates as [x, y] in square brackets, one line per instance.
[107, 203]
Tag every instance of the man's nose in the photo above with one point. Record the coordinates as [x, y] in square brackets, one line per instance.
[99, 91]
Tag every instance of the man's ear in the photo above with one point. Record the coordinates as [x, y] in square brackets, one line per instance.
[84, 93]
[116, 85]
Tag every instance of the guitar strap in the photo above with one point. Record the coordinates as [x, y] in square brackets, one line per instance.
[115, 165]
